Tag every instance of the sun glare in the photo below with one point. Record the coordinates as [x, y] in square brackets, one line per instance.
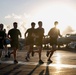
[58, 60]
[49, 13]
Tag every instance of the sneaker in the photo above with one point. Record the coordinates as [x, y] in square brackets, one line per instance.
[15, 61]
[41, 62]
[47, 54]
[49, 60]
[6, 56]
[26, 58]
[32, 53]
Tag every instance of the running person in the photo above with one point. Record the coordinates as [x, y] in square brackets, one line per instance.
[53, 33]
[29, 40]
[5, 44]
[39, 40]
[14, 34]
[2, 36]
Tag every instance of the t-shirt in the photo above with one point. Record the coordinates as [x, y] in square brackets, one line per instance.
[14, 33]
[2, 36]
[40, 32]
[54, 33]
[31, 32]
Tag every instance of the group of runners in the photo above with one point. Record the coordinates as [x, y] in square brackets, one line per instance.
[32, 36]
[13, 36]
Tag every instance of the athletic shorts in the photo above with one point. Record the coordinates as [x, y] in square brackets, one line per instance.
[53, 41]
[39, 41]
[1, 44]
[15, 44]
[29, 41]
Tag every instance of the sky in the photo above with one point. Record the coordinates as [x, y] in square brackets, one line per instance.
[48, 11]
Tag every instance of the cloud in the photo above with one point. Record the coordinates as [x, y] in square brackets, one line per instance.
[8, 16]
[26, 15]
[68, 30]
[14, 16]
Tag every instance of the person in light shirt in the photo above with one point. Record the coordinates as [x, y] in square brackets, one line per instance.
[39, 40]
[29, 40]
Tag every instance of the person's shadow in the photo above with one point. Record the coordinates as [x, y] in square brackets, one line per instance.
[46, 71]
[34, 69]
[42, 72]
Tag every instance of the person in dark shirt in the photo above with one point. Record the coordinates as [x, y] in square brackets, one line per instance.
[2, 36]
[53, 33]
[14, 34]
[39, 40]
[29, 40]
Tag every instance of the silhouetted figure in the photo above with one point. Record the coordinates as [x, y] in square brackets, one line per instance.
[39, 40]
[6, 41]
[14, 34]
[53, 33]
[29, 40]
[2, 36]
